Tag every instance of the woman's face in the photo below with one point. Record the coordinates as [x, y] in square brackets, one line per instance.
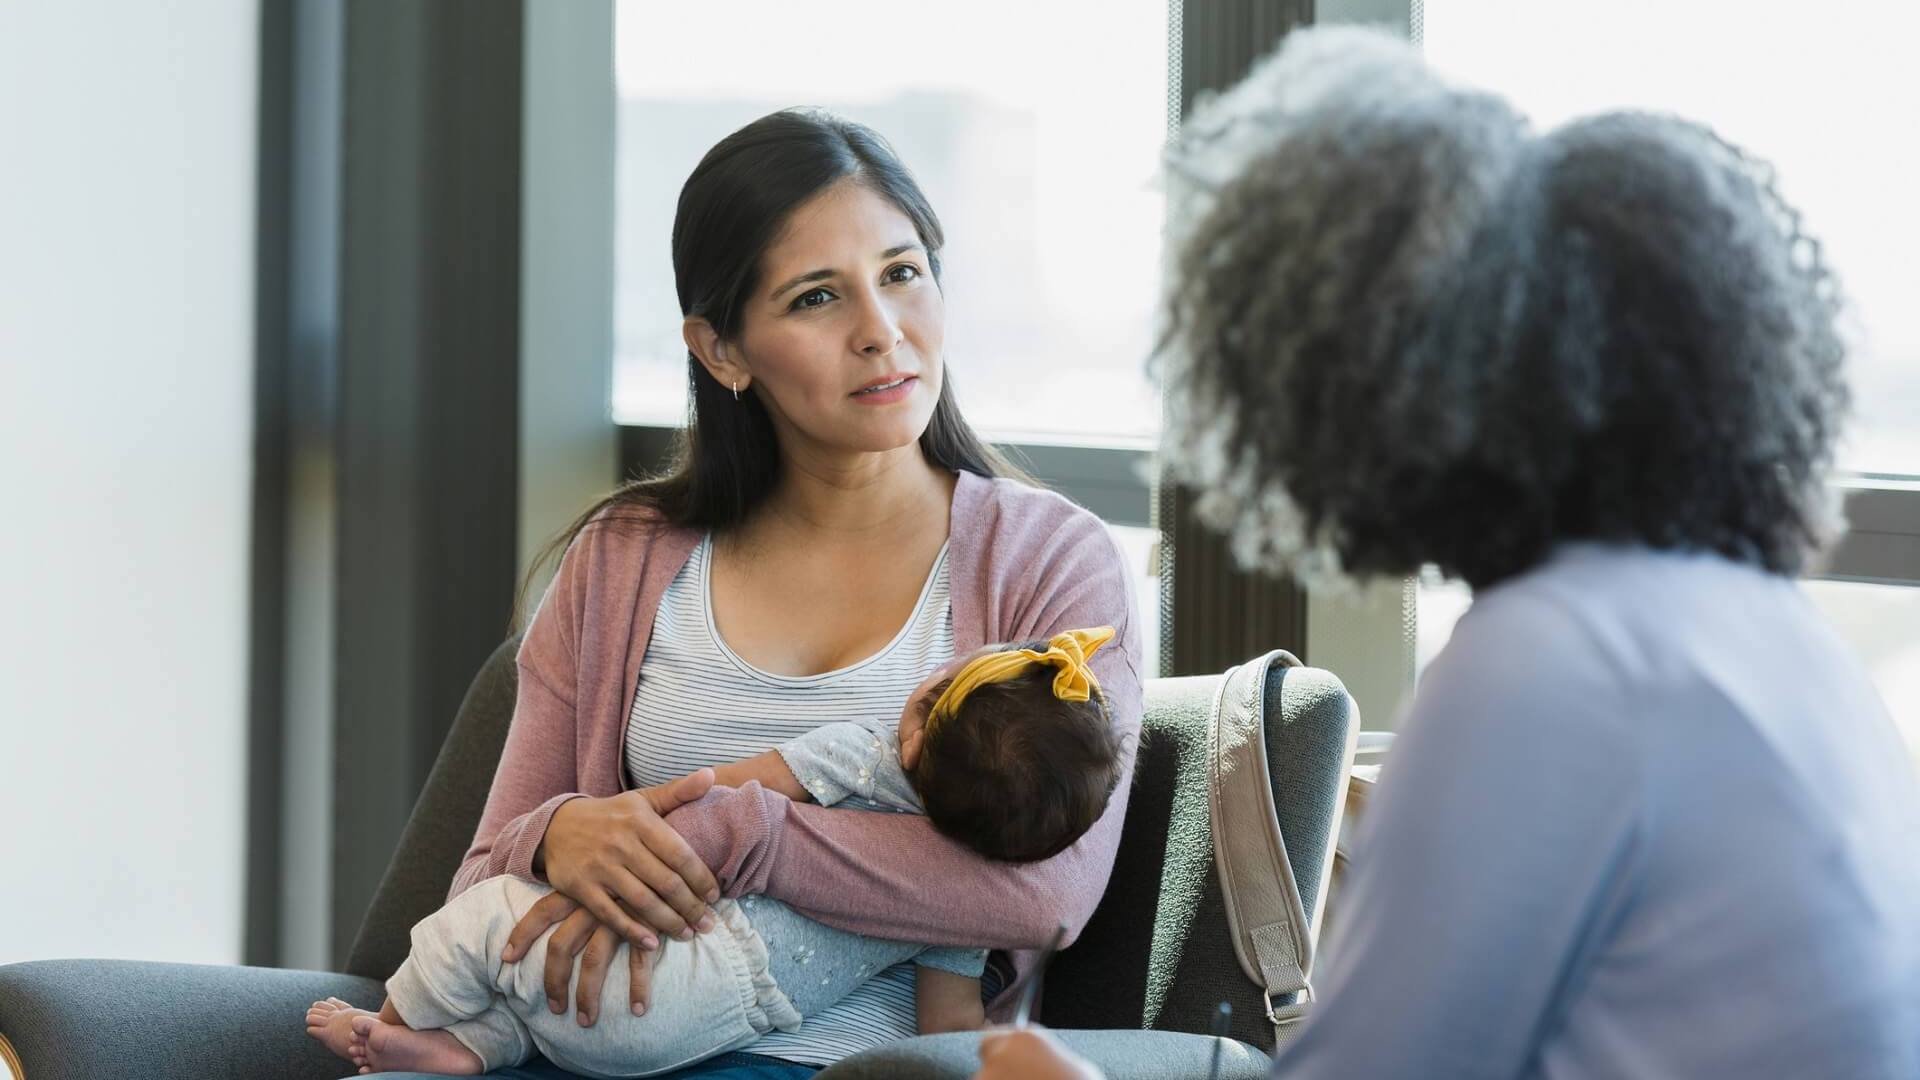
[843, 336]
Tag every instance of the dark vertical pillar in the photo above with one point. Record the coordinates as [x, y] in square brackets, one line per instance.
[267, 593]
[428, 423]
[1213, 614]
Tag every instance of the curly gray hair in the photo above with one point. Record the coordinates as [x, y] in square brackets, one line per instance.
[1402, 329]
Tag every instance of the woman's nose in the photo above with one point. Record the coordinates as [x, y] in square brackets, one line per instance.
[878, 331]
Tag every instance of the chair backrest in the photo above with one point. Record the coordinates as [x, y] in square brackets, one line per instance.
[443, 819]
[1157, 954]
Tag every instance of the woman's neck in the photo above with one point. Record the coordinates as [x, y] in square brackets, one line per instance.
[859, 496]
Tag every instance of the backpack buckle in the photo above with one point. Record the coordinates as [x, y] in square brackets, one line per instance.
[1282, 1015]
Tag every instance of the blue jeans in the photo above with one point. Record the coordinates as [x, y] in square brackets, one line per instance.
[734, 1066]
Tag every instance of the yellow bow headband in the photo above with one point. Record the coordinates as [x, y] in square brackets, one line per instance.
[1069, 652]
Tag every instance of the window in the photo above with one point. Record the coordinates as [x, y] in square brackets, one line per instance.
[1812, 93]
[1824, 93]
[1035, 130]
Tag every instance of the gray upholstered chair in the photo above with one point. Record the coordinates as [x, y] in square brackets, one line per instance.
[1154, 963]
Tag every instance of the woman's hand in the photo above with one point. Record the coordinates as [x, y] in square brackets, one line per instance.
[619, 871]
[1030, 1054]
[581, 934]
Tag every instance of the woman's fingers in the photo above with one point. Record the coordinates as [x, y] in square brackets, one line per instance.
[668, 797]
[562, 947]
[631, 907]
[667, 844]
[675, 910]
[651, 890]
[640, 978]
[619, 849]
[594, 961]
[615, 910]
[545, 912]
[674, 873]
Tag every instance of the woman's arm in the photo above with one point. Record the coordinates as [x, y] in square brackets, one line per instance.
[894, 875]
[610, 858]
[626, 855]
[537, 772]
[769, 770]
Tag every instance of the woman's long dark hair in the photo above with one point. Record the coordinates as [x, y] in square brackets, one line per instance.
[726, 460]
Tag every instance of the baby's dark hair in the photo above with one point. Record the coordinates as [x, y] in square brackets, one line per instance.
[1016, 773]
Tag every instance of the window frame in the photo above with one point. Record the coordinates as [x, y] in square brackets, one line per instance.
[1369, 643]
[1882, 541]
[1111, 481]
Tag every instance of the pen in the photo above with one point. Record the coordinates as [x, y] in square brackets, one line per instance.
[1032, 990]
[1222, 1017]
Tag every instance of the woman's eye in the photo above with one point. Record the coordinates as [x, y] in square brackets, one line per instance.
[905, 272]
[811, 299]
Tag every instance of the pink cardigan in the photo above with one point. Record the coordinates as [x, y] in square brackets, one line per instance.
[1023, 563]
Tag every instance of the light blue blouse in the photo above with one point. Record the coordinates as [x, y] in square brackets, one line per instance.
[1647, 818]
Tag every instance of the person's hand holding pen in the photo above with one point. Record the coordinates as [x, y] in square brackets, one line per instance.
[1022, 1052]
[1030, 1054]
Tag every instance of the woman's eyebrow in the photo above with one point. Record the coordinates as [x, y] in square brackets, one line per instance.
[815, 275]
[822, 275]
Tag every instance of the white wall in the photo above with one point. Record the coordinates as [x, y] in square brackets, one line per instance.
[127, 156]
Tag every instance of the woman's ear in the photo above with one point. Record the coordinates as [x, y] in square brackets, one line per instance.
[910, 749]
[721, 360]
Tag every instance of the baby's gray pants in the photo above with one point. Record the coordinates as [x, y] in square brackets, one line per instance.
[718, 992]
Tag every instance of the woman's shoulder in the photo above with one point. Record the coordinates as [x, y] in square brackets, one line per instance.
[627, 526]
[637, 514]
[623, 542]
[1017, 532]
[1020, 514]
[1035, 548]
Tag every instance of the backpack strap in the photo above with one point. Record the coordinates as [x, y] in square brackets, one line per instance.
[1264, 912]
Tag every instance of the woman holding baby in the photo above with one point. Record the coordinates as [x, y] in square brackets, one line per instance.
[832, 532]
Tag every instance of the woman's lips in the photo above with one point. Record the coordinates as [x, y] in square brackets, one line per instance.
[887, 393]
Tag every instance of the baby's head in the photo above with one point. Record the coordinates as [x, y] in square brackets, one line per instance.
[1018, 755]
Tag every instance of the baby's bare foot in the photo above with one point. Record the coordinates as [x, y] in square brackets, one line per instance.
[357, 1049]
[393, 1048]
[331, 1021]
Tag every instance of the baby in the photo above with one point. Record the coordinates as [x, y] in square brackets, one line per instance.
[1014, 756]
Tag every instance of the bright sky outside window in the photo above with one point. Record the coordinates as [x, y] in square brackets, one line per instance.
[1826, 92]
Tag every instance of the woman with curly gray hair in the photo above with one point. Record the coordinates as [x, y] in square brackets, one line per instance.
[1647, 816]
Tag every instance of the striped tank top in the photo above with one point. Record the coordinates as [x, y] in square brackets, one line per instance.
[698, 704]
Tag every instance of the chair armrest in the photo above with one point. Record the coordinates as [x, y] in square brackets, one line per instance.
[1122, 1055]
[76, 1019]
